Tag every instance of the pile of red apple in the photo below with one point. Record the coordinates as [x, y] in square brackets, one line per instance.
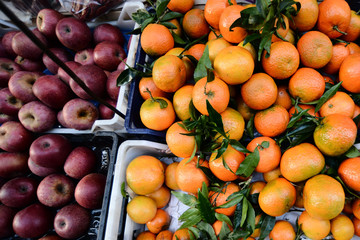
[40, 101]
[46, 184]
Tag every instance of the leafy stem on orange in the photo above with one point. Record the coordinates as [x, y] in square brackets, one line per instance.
[163, 103]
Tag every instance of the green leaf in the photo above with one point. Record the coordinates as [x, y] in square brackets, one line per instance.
[161, 7]
[238, 216]
[265, 44]
[250, 221]
[168, 25]
[136, 31]
[215, 117]
[249, 164]
[147, 22]
[195, 231]
[327, 95]
[193, 112]
[262, 7]
[206, 227]
[267, 225]
[357, 119]
[177, 39]
[206, 210]
[162, 102]
[140, 16]
[210, 75]
[223, 218]
[232, 202]
[124, 77]
[250, 127]
[224, 231]
[222, 149]
[296, 116]
[265, 144]
[244, 211]
[187, 199]
[192, 59]
[202, 66]
[238, 146]
[352, 152]
[123, 191]
[190, 217]
[171, 15]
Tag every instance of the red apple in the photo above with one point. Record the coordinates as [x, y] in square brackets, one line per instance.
[37, 117]
[7, 69]
[51, 237]
[61, 53]
[21, 83]
[105, 112]
[55, 190]
[85, 57]
[46, 21]
[33, 221]
[19, 192]
[9, 104]
[108, 32]
[89, 191]
[80, 114]
[6, 118]
[63, 75]
[93, 77]
[80, 162]
[6, 218]
[111, 85]
[72, 221]
[24, 47]
[73, 33]
[7, 41]
[53, 92]
[13, 164]
[30, 65]
[122, 65]
[108, 55]
[14, 137]
[41, 171]
[3, 52]
[61, 120]
[50, 150]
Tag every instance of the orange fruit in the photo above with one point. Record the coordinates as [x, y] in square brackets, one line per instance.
[324, 197]
[233, 123]
[291, 37]
[277, 197]
[348, 207]
[154, 117]
[269, 157]
[356, 223]
[248, 46]
[306, 84]
[147, 83]
[283, 97]
[189, 66]
[340, 103]
[281, 30]
[215, 46]
[219, 198]
[213, 10]
[301, 162]
[334, 17]
[179, 144]
[183, 234]
[197, 50]
[335, 134]
[160, 196]
[315, 49]
[356, 208]
[307, 17]
[194, 23]
[356, 111]
[271, 175]
[160, 222]
[217, 226]
[147, 235]
[353, 30]
[311, 110]
[328, 79]
[256, 187]
[156, 39]
[259, 92]
[349, 173]
[178, 30]
[189, 177]
[299, 203]
[283, 60]
[272, 121]
[164, 235]
[180, 6]
[232, 157]
[216, 92]
[339, 53]
[234, 64]
[181, 101]
[169, 73]
[244, 109]
[145, 174]
[342, 228]
[349, 73]
[214, 33]
[170, 180]
[314, 228]
[353, 48]
[228, 16]
[282, 230]
[141, 209]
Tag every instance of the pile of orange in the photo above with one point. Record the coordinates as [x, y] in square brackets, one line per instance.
[268, 95]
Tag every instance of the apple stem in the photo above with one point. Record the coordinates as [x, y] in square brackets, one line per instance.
[53, 57]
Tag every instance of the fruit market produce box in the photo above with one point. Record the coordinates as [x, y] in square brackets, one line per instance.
[105, 146]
